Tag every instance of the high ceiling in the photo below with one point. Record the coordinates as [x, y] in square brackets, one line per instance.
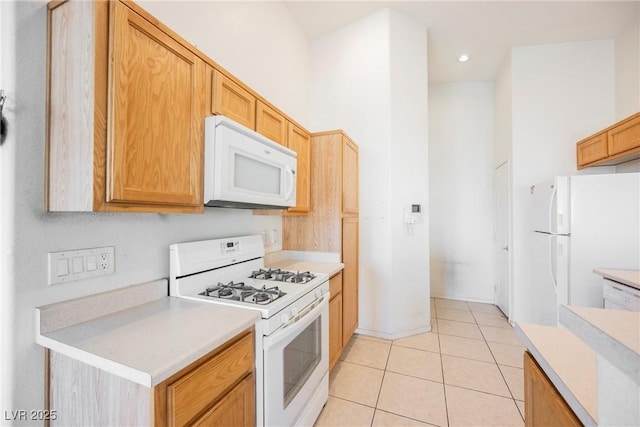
[486, 30]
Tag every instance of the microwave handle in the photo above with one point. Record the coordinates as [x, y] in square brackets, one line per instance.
[292, 181]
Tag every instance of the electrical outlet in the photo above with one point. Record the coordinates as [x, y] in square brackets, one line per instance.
[69, 266]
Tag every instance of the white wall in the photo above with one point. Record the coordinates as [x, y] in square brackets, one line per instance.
[409, 176]
[461, 165]
[561, 93]
[259, 42]
[503, 114]
[28, 233]
[628, 80]
[627, 74]
[370, 79]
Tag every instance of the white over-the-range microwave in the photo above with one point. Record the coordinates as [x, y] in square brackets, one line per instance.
[243, 169]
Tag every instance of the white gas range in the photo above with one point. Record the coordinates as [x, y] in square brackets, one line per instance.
[291, 339]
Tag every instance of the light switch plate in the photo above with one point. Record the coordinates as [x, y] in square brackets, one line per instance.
[77, 264]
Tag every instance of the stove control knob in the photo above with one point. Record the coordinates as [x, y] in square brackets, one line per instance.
[319, 293]
[285, 318]
[294, 311]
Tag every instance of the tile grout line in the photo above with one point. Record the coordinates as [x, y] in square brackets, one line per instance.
[384, 373]
[500, 370]
[444, 389]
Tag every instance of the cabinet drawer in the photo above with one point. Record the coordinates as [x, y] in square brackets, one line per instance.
[197, 390]
[624, 137]
[592, 149]
[335, 285]
[236, 409]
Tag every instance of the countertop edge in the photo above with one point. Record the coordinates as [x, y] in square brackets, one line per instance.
[140, 370]
[620, 276]
[115, 368]
[613, 350]
[576, 406]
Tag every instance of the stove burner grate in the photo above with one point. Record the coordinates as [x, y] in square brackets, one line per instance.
[243, 293]
[279, 275]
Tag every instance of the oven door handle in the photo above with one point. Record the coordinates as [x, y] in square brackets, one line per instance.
[296, 325]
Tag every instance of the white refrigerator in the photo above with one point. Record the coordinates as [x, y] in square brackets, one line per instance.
[580, 223]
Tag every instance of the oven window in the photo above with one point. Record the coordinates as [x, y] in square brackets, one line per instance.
[301, 357]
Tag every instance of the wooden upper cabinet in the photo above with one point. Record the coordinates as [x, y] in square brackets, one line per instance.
[154, 126]
[592, 149]
[300, 141]
[232, 100]
[624, 137]
[349, 176]
[616, 144]
[125, 117]
[270, 123]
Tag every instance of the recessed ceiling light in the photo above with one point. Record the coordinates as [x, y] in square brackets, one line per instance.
[463, 58]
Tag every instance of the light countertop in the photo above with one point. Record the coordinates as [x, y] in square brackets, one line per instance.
[594, 363]
[626, 277]
[148, 342]
[613, 333]
[315, 262]
[569, 363]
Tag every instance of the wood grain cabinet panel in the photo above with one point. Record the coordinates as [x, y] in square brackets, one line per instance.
[592, 150]
[624, 137]
[335, 319]
[544, 406]
[125, 118]
[232, 100]
[154, 127]
[300, 141]
[616, 144]
[349, 278]
[216, 390]
[270, 123]
[194, 392]
[349, 176]
[236, 409]
[329, 227]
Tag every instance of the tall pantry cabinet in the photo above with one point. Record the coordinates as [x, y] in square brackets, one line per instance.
[332, 226]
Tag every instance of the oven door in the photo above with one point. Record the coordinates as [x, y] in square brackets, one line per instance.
[296, 358]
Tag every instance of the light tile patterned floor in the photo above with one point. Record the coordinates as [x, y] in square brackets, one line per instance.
[467, 372]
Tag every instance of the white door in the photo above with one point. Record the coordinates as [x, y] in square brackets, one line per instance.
[502, 227]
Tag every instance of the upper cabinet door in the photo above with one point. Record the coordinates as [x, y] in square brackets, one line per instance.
[232, 100]
[349, 176]
[300, 141]
[271, 124]
[624, 137]
[155, 123]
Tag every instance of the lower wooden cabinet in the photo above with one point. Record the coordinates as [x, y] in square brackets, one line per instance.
[544, 406]
[184, 397]
[216, 390]
[335, 319]
[236, 408]
[350, 277]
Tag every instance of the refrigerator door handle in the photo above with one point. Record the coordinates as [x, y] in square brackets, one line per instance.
[552, 255]
[553, 224]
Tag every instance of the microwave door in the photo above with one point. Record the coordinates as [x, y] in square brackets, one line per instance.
[255, 176]
[243, 169]
[260, 178]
